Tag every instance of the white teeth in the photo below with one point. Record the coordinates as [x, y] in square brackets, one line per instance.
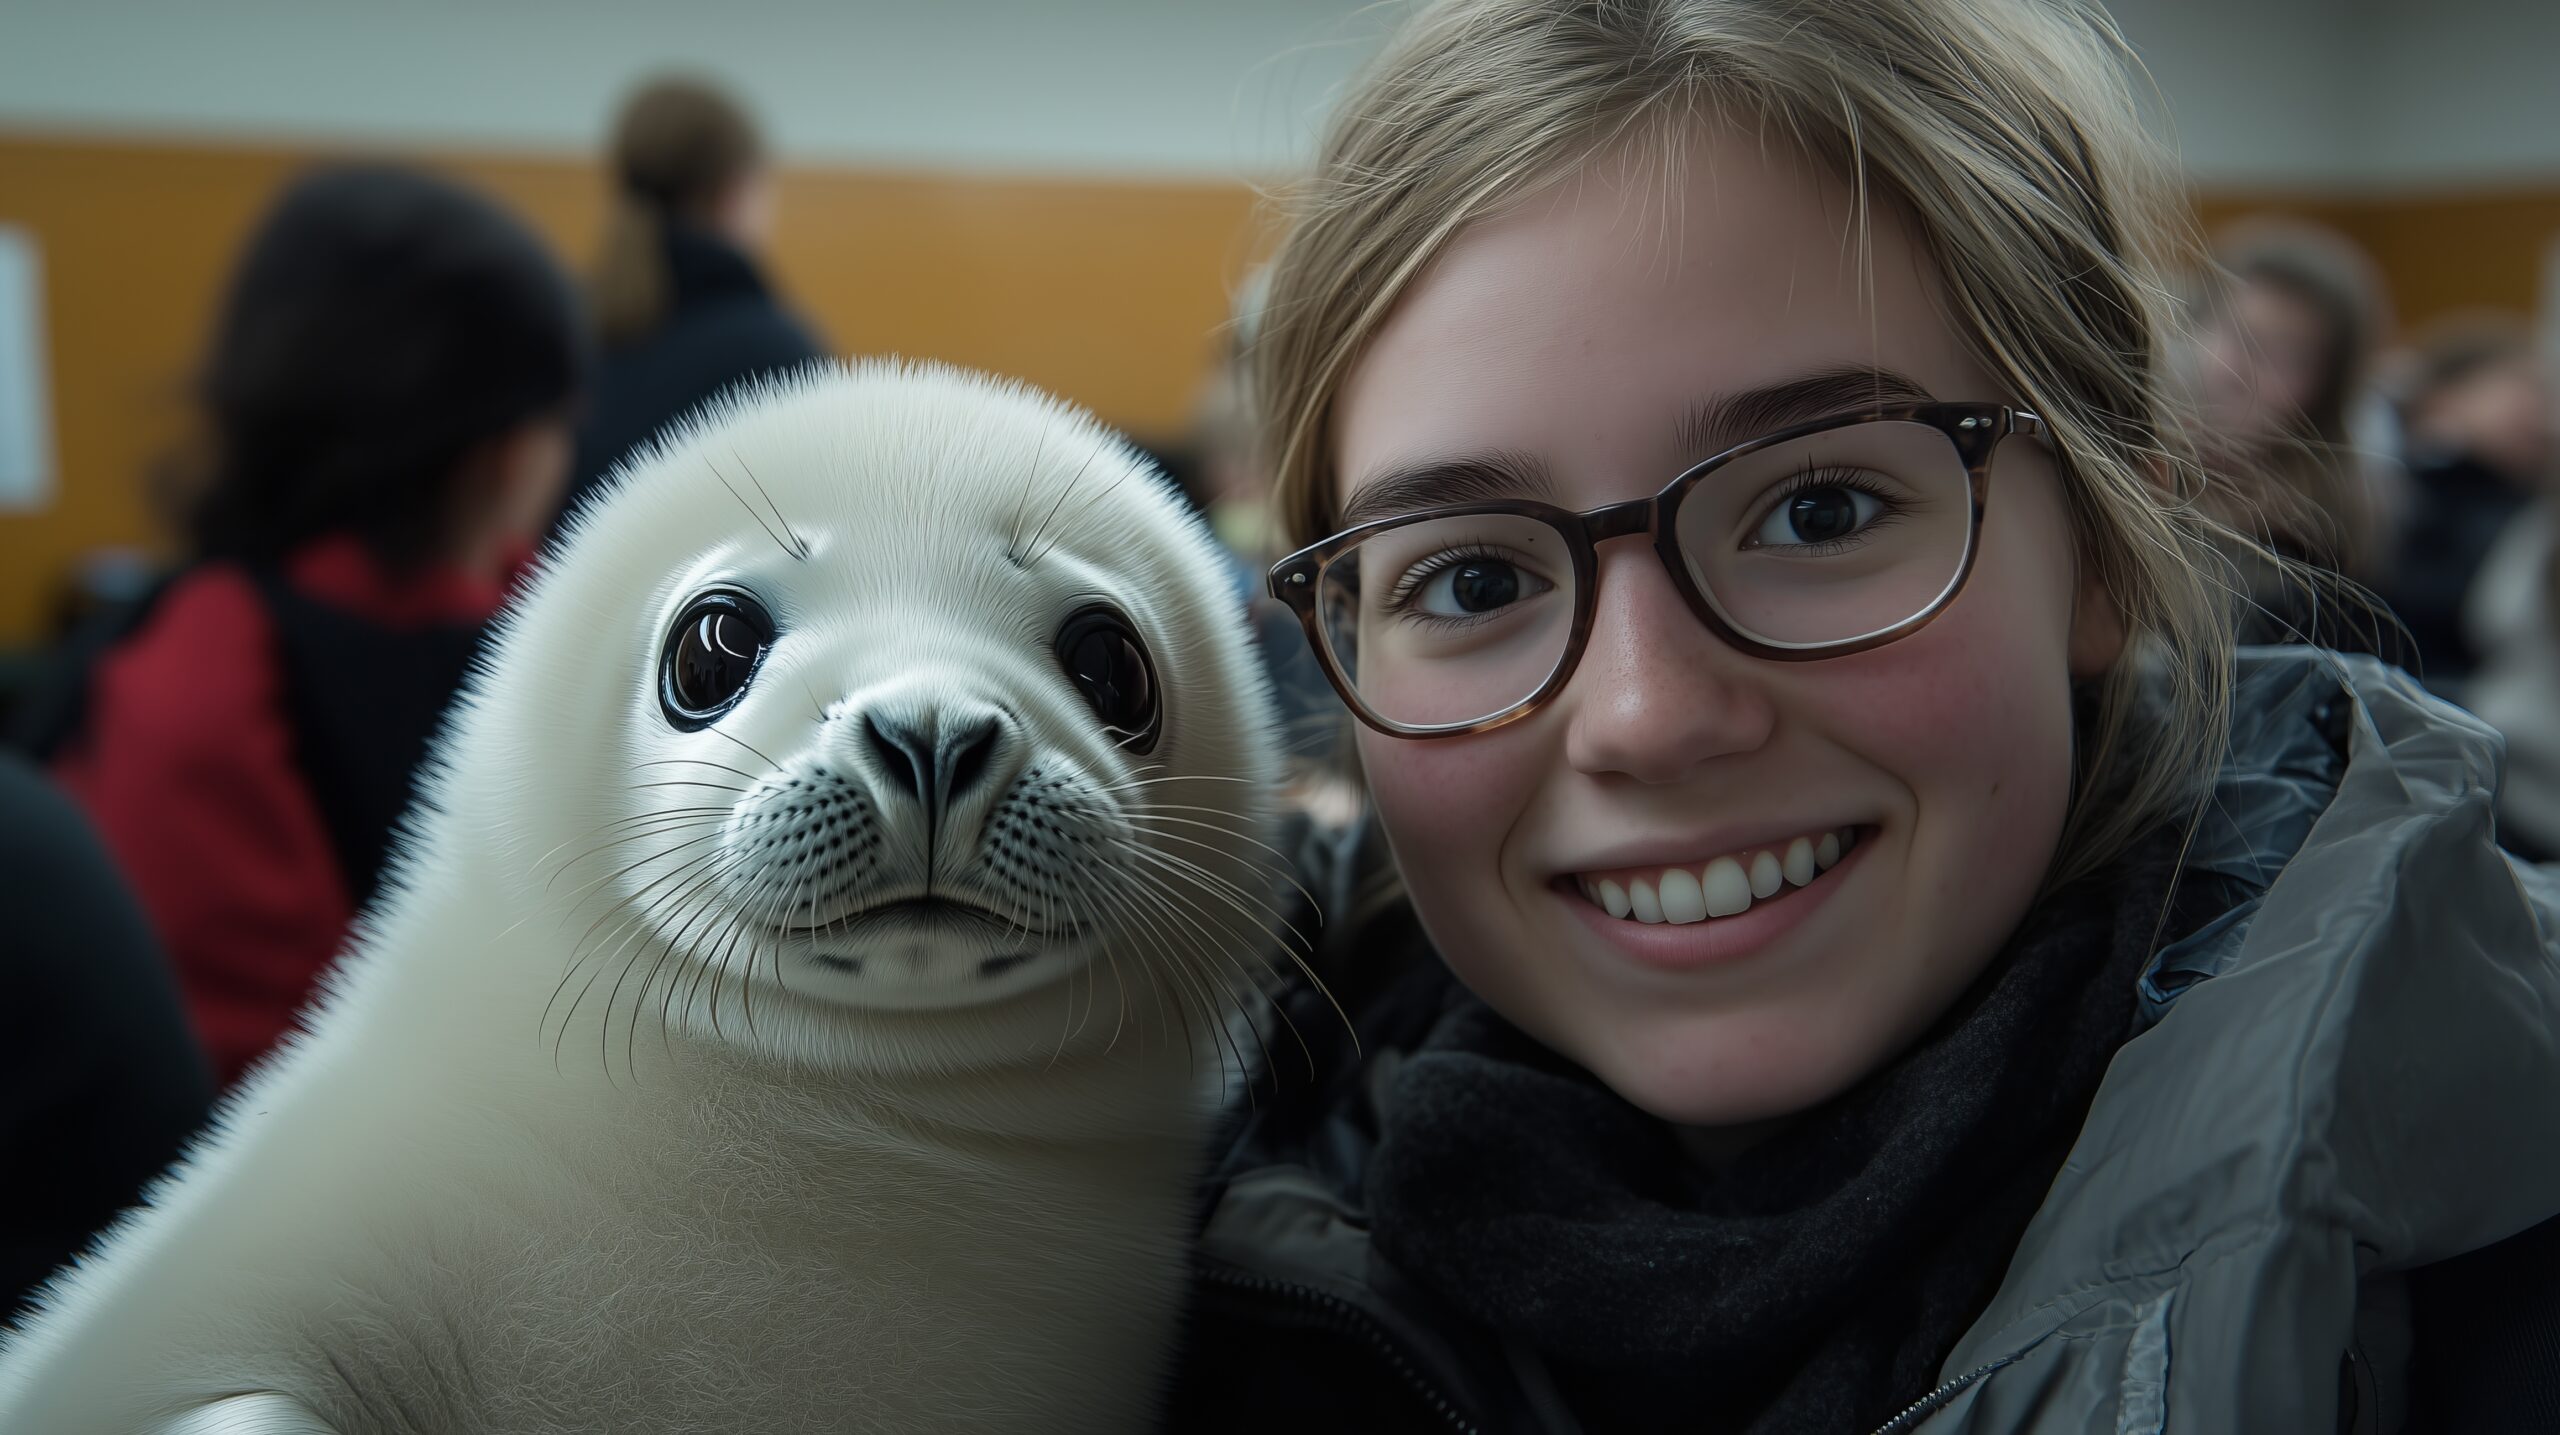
[1682, 901]
[1799, 864]
[1766, 877]
[1724, 887]
[1728, 891]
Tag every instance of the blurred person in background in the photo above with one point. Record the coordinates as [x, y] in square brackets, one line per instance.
[388, 400]
[678, 295]
[2477, 414]
[99, 1082]
[2286, 340]
[2512, 618]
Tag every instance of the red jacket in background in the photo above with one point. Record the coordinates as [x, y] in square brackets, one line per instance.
[185, 761]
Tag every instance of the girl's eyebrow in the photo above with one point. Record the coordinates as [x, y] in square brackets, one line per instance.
[1717, 424]
[1710, 427]
[1489, 477]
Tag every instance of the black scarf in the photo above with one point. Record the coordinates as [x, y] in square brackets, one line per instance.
[1814, 1284]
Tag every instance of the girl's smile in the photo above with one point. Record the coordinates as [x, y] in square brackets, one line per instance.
[1728, 909]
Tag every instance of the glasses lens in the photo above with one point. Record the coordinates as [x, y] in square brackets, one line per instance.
[1833, 536]
[1449, 620]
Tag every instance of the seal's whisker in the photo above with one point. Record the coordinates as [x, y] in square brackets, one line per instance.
[668, 949]
[719, 732]
[1154, 814]
[1132, 923]
[1178, 986]
[608, 827]
[698, 762]
[1212, 931]
[675, 876]
[1224, 949]
[799, 545]
[763, 919]
[1068, 488]
[1205, 991]
[788, 547]
[1299, 961]
[1022, 498]
[634, 922]
[738, 907]
[652, 884]
[674, 946]
[1089, 506]
[691, 782]
[666, 823]
[707, 873]
[1229, 889]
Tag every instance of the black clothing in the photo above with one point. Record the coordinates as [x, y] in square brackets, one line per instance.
[2461, 507]
[364, 701]
[1815, 1283]
[102, 1083]
[1535, 1220]
[723, 328]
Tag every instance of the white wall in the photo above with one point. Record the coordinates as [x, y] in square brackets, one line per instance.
[1206, 87]
[2257, 92]
[2250, 91]
[2469, 90]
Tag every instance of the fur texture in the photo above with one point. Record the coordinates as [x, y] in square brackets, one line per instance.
[618, 1116]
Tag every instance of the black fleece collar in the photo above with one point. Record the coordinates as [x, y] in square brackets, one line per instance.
[1814, 1284]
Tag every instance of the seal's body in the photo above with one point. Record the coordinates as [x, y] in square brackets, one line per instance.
[796, 1004]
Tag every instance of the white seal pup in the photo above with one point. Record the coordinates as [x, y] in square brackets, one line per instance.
[778, 1021]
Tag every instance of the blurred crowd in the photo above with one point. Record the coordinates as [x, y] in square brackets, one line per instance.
[406, 394]
[2411, 474]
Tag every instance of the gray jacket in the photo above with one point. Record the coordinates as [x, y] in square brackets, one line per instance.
[2352, 1071]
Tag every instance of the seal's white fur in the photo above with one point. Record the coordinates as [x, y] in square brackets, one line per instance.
[580, 1140]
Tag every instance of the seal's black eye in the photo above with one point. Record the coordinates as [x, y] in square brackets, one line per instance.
[1107, 662]
[710, 654]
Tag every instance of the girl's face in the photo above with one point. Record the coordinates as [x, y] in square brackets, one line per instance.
[1572, 336]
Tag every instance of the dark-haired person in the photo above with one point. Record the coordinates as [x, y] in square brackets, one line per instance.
[388, 399]
[679, 300]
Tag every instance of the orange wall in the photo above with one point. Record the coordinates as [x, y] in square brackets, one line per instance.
[1110, 293]
[2441, 253]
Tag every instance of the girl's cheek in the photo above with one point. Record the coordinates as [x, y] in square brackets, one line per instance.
[1971, 716]
[1443, 792]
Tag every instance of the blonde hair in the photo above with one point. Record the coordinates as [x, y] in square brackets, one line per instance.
[2007, 133]
[678, 145]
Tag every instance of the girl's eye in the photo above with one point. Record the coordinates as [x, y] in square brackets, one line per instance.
[1813, 516]
[1472, 586]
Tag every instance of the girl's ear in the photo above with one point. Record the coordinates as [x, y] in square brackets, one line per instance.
[2097, 628]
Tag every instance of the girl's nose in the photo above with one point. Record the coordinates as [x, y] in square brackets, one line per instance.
[1656, 694]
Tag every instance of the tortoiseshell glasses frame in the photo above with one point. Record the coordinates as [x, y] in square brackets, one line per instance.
[1973, 429]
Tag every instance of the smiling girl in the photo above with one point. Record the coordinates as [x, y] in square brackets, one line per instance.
[1868, 952]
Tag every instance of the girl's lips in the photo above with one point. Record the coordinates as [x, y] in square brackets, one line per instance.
[1716, 941]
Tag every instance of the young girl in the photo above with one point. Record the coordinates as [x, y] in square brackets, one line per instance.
[1869, 953]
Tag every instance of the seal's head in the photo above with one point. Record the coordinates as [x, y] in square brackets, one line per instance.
[878, 696]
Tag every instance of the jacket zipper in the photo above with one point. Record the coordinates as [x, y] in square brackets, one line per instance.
[1930, 1402]
[1349, 1319]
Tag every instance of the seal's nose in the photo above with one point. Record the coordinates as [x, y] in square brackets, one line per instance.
[936, 758]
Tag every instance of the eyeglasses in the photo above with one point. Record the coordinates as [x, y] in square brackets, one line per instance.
[1823, 539]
